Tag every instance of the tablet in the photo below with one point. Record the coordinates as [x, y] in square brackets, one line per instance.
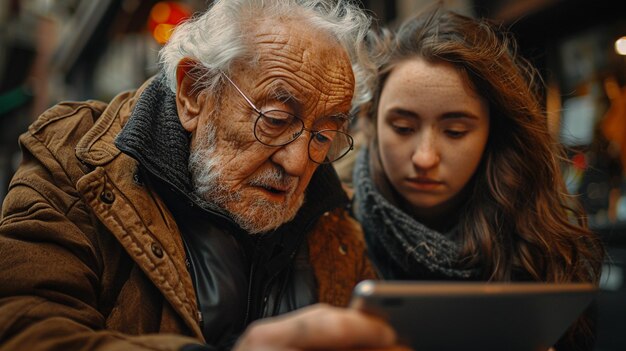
[475, 316]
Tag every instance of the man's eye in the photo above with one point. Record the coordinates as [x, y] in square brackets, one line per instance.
[277, 119]
[275, 122]
[325, 137]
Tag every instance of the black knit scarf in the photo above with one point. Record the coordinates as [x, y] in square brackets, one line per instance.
[155, 137]
[400, 246]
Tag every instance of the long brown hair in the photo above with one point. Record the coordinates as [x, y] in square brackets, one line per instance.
[519, 222]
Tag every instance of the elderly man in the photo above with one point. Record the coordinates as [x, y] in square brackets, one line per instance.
[173, 217]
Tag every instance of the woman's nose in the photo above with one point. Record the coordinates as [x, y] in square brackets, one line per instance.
[426, 155]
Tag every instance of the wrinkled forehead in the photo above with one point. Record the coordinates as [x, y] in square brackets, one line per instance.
[311, 55]
[300, 40]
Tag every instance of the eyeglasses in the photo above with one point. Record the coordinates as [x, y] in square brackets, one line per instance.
[279, 128]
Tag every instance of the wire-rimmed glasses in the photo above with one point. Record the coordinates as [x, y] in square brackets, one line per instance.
[279, 128]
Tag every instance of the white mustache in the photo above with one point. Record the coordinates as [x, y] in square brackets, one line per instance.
[274, 178]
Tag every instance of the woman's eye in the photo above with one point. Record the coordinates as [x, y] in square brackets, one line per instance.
[401, 129]
[455, 134]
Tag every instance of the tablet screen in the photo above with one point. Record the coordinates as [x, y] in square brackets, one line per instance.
[475, 316]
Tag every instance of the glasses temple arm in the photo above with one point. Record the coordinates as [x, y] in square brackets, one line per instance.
[240, 92]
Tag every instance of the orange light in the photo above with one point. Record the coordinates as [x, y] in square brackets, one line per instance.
[164, 16]
[160, 12]
[162, 32]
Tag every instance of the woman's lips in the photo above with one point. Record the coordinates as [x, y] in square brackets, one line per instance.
[424, 183]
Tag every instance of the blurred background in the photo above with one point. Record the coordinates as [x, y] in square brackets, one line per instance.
[54, 50]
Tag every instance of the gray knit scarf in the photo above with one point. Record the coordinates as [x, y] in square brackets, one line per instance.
[400, 246]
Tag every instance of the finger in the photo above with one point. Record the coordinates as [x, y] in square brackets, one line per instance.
[392, 348]
[320, 327]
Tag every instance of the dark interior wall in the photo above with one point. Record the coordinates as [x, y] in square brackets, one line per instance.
[540, 24]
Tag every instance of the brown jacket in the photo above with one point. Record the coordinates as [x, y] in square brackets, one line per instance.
[90, 259]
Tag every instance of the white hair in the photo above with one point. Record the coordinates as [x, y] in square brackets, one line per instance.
[215, 38]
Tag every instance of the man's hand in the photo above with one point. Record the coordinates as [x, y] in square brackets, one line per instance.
[319, 327]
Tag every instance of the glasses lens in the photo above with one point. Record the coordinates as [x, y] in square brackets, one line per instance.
[328, 146]
[276, 128]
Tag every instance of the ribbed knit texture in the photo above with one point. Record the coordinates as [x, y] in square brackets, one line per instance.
[400, 245]
[156, 138]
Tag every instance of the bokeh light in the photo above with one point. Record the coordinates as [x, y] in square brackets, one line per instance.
[620, 46]
[164, 17]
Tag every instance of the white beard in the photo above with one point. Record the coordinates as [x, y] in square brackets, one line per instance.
[256, 214]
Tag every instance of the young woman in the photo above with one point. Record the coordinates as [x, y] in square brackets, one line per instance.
[461, 178]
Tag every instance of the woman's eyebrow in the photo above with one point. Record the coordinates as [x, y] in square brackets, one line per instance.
[459, 115]
[445, 116]
[403, 112]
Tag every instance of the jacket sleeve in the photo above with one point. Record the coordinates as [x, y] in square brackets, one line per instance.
[338, 256]
[51, 265]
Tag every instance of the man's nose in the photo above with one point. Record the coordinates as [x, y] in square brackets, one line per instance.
[426, 154]
[294, 157]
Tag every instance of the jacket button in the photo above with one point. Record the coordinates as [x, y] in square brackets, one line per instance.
[137, 179]
[107, 196]
[157, 250]
[343, 249]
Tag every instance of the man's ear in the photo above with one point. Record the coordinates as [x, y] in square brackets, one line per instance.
[188, 100]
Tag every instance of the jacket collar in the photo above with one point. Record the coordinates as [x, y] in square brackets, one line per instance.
[139, 220]
[97, 147]
[155, 137]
